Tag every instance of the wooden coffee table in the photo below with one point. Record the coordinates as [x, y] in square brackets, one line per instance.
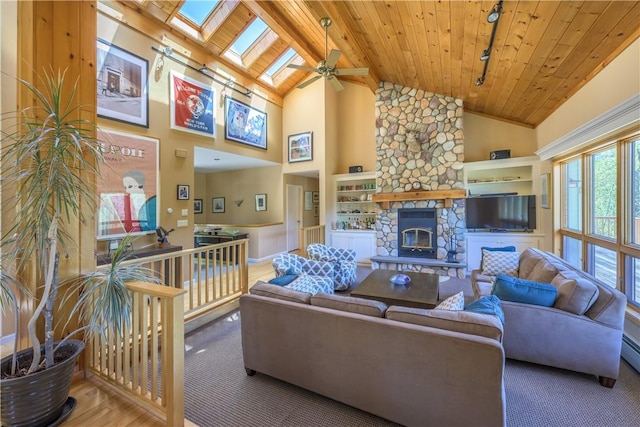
[421, 292]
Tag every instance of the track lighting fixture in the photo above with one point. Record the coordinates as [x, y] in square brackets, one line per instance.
[167, 51]
[493, 18]
[494, 15]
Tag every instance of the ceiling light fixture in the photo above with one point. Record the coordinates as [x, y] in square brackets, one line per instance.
[493, 18]
[494, 15]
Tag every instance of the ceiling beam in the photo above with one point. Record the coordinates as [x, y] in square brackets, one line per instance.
[342, 35]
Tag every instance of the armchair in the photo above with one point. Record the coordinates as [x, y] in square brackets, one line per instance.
[343, 260]
[313, 276]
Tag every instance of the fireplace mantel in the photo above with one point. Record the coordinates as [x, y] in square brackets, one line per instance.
[447, 195]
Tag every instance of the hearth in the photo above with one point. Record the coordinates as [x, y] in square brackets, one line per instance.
[417, 233]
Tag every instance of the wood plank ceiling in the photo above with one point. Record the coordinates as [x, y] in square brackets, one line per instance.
[543, 52]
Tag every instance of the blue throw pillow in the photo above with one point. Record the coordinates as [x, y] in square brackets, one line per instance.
[283, 280]
[489, 304]
[495, 249]
[509, 288]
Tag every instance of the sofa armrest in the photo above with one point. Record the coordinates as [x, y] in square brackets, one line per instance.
[481, 283]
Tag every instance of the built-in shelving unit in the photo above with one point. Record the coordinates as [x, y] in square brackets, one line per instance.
[518, 175]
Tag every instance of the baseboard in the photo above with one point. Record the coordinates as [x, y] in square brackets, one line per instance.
[631, 352]
[268, 257]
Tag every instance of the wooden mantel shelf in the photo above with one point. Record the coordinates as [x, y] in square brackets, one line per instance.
[446, 195]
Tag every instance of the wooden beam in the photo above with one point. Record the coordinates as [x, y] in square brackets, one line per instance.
[446, 195]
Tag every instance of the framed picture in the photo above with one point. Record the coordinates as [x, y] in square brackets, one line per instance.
[316, 197]
[544, 190]
[197, 206]
[301, 147]
[192, 105]
[244, 123]
[261, 202]
[307, 201]
[183, 192]
[129, 191]
[122, 85]
[217, 205]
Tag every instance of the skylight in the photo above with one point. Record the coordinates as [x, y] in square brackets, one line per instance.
[275, 67]
[197, 11]
[249, 36]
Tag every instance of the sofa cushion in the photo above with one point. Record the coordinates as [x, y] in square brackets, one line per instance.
[279, 292]
[466, 322]
[496, 262]
[543, 272]
[496, 249]
[454, 302]
[514, 289]
[283, 280]
[488, 304]
[528, 261]
[575, 294]
[351, 304]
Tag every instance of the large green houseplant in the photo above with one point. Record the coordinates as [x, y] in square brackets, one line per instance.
[51, 161]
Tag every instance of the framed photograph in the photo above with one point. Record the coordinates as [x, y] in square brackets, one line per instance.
[301, 147]
[307, 201]
[122, 85]
[183, 192]
[197, 206]
[244, 123]
[545, 179]
[217, 205]
[192, 105]
[316, 210]
[316, 197]
[261, 202]
[129, 192]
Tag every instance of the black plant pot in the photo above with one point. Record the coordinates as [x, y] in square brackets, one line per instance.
[38, 399]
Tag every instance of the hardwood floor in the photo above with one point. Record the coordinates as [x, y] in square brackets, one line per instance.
[98, 406]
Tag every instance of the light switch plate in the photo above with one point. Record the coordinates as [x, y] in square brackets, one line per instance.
[185, 212]
[183, 222]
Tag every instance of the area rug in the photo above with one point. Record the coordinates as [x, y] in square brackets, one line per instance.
[219, 393]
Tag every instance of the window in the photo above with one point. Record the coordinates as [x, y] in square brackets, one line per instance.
[197, 11]
[249, 36]
[600, 213]
[604, 191]
[276, 66]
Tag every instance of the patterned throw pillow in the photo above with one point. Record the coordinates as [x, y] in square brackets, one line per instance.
[499, 262]
[454, 302]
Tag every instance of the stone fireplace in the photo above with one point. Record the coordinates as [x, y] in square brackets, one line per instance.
[419, 148]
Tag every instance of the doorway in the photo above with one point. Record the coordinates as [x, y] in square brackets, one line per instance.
[293, 220]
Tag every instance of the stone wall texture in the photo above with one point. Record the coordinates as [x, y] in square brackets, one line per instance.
[420, 146]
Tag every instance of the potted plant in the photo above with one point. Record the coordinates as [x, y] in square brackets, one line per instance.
[51, 161]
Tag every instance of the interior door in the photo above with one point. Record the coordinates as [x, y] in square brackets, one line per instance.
[294, 216]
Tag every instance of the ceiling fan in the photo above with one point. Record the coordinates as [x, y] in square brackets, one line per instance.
[327, 67]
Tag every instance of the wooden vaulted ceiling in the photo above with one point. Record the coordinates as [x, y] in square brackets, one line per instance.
[543, 52]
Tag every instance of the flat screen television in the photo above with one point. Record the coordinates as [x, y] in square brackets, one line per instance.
[501, 213]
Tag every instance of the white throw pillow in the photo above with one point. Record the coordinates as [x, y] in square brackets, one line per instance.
[454, 302]
[499, 262]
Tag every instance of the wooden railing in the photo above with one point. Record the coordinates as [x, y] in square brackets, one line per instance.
[146, 361]
[606, 226]
[309, 235]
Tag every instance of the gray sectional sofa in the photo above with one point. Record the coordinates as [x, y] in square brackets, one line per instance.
[582, 331]
[412, 366]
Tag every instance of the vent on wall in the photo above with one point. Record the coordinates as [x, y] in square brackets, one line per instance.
[631, 352]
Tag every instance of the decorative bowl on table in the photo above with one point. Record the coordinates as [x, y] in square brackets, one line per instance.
[400, 279]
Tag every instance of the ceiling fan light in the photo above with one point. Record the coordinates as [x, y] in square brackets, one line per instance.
[485, 55]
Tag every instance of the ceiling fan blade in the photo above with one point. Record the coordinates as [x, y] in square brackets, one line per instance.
[351, 71]
[308, 82]
[335, 83]
[332, 60]
[302, 67]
